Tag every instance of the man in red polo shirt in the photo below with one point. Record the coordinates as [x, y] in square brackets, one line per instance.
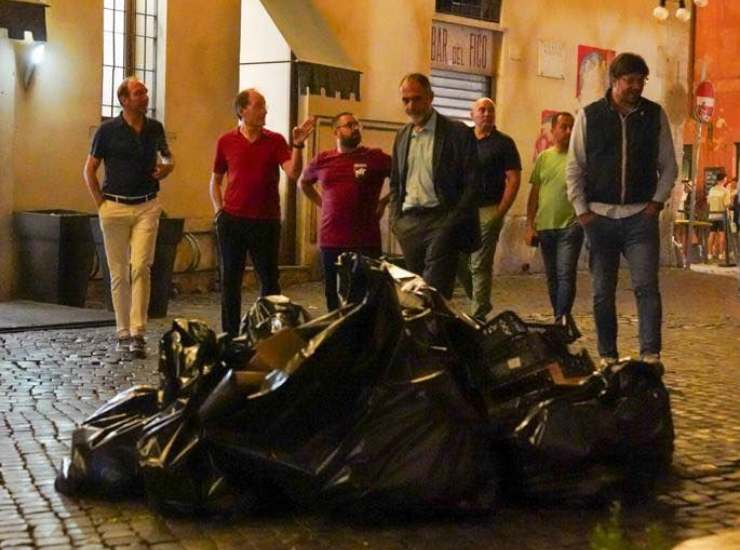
[351, 179]
[248, 210]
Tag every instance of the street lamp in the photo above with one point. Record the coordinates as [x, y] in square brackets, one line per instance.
[683, 13]
[661, 12]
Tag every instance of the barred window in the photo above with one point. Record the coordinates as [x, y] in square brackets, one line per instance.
[129, 49]
[486, 10]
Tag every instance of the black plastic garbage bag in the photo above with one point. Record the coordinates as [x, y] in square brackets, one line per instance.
[186, 351]
[394, 402]
[270, 314]
[358, 380]
[420, 449]
[104, 458]
[614, 432]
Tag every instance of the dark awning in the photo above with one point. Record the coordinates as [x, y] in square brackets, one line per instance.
[320, 61]
[19, 17]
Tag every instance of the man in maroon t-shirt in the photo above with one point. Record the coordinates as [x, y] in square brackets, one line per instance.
[248, 212]
[351, 179]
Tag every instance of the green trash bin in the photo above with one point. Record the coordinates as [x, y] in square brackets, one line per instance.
[168, 237]
[56, 254]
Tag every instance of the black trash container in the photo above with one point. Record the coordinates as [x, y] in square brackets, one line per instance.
[56, 255]
[168, 237]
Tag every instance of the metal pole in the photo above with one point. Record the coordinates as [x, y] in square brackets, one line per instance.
[697, 148]
[692, 209]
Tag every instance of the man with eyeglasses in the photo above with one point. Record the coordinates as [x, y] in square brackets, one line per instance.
[620, 171]
[351, 179]
[136, 156]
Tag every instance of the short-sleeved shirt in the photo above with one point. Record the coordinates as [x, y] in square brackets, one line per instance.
[554, 210]
[718, 199]
[497, 153]
[130, 158]
[253, 168]
[350, 187]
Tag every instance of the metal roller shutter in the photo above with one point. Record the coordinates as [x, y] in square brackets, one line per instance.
[455, 92]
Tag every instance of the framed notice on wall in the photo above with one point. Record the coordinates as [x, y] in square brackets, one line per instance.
[551, 59]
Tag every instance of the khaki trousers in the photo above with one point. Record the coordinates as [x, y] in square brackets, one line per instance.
[130, 236]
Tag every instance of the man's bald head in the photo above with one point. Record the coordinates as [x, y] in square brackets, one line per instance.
[483, 113]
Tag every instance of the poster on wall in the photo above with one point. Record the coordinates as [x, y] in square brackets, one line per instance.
[544, 139]
[593, 73]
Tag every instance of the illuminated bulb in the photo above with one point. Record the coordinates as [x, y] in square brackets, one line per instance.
[701, 3]
[683, 14]
[661, 12]
[37, 54]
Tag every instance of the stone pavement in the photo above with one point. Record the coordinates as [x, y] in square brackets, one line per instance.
[49, 381]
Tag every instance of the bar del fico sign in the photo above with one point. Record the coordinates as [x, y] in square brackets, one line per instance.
[461, 48]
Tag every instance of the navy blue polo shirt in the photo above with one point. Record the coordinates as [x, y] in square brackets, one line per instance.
[497, 153]
[129, 158]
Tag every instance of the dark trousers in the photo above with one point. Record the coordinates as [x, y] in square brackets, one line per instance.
[236, 238]
[560, 250]
[425, 253]
[636, 238]
[328, 260]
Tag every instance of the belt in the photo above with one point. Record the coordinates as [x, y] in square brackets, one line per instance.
[421, 210]
[129, 200]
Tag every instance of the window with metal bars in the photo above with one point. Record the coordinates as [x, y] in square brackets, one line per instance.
[129, 49]
[486, 10]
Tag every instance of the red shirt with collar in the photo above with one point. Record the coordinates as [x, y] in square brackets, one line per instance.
[253, 170]
[350, 189]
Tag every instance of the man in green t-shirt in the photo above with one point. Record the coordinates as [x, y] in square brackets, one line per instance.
[552, 221]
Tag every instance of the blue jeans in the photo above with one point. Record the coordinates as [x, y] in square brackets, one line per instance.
[560, 250]
[637, 238]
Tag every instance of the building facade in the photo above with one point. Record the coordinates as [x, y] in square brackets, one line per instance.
[317, 58]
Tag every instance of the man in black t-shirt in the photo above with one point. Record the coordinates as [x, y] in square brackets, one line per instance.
[136, 156]
[500, 175]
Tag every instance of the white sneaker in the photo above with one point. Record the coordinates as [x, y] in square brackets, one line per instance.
[605, 362]
[650, 358]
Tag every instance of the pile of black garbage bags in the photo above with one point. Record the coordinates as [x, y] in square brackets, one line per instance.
[395, 402]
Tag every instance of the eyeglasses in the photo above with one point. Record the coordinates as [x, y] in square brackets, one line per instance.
[351, 125]
[632, 80]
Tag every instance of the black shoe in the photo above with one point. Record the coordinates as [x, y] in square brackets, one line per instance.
[138, 347]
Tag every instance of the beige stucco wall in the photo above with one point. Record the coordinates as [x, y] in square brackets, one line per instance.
[56, 116]
[386, 39]
[7, 124]
[202, 80]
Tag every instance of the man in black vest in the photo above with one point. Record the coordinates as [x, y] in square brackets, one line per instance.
[621, 168]
[434, 188]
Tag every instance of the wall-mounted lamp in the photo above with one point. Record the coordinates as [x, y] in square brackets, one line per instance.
[29, 55]
[682, 13]
[26, 24]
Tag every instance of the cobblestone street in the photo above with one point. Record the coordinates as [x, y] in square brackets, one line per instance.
[50, 381]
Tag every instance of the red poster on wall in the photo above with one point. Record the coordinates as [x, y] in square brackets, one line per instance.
[544, 139]
[593, 73]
